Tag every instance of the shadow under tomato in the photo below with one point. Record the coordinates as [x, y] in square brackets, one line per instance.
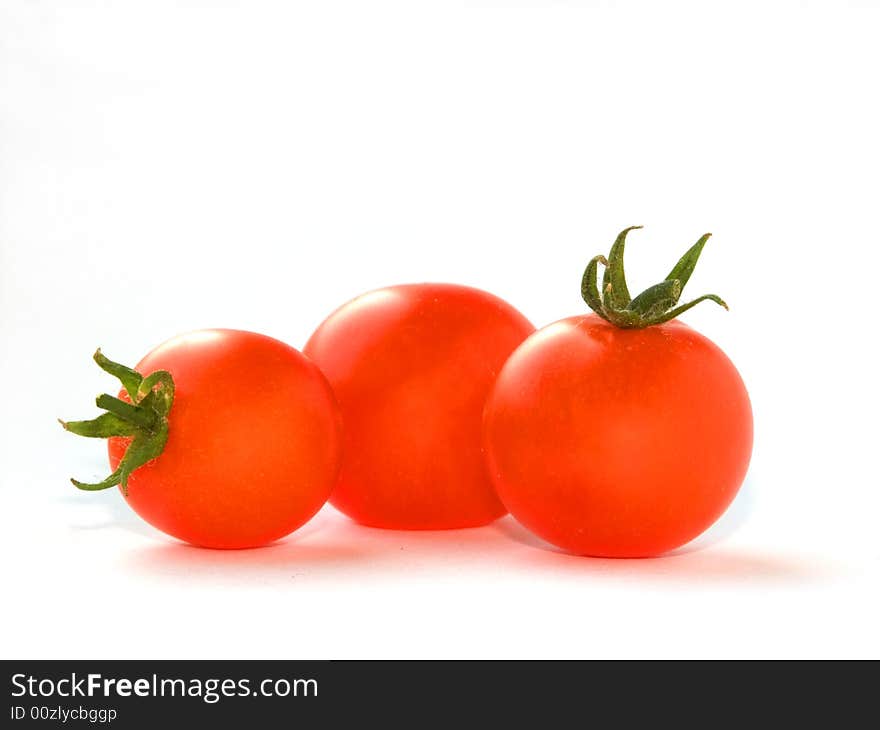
[713, 566]
[331, 548]
[710, 563]
[280, 561]
[704, 558]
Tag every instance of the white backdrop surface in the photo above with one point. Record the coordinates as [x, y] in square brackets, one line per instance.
[171, 166]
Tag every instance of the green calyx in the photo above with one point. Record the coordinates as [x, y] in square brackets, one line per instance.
[144, 420]
[655, 305]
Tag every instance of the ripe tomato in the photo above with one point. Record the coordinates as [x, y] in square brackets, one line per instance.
[619, 440]
[411, 367]
[253, 441]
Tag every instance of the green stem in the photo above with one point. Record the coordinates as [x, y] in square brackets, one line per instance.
[102, 427]
[614, 279]
[589, 283]
[126, 411]
[656, 304]
[144, 420]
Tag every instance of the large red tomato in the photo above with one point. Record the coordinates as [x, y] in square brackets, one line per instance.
[253, 441]
[411, 367]
[621, 438]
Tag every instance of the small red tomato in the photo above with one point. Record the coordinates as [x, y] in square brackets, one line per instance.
[411, 367]
[232, 440]
[624, 433]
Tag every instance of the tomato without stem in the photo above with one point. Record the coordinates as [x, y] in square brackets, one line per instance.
[411, 367]
[253, 441]
[623, 438]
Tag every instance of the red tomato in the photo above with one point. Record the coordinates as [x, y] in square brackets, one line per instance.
[254, 441]
[411, 367]
[618, 442]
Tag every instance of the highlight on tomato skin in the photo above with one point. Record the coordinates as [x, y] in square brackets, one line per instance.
[411, 367]
[623, 433]
[253, 442]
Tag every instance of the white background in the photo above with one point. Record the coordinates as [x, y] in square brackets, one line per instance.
[170, 166]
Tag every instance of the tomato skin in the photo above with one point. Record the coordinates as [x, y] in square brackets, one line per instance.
[617, 442]
[254, 442]
[411, 367]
